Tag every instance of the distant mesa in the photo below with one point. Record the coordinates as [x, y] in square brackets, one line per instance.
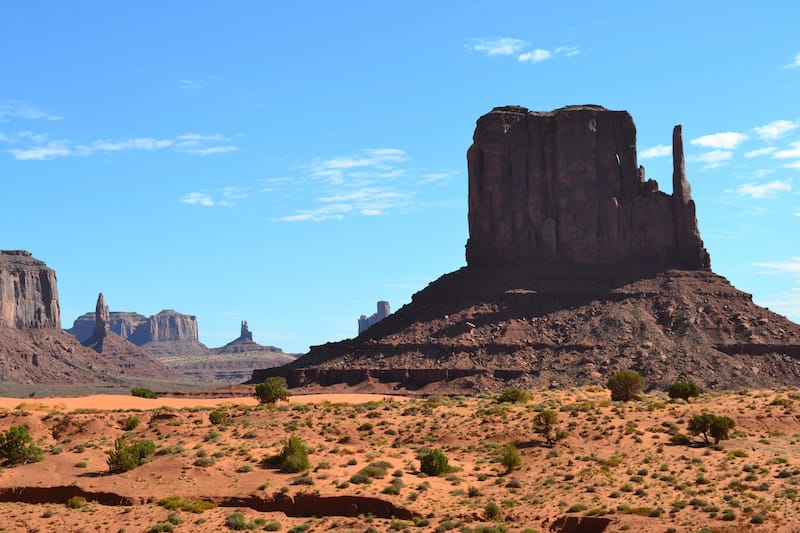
[365, 322]
[165, 333]
[34, 348]
[577, 267]
[244, 343]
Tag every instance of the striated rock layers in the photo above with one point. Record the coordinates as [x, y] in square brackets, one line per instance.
[33, 347]
[130, 358]
[577, 267]
[28, 293]
[232, 363]
[165, 333]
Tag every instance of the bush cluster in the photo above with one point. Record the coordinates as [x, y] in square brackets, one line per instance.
[272, 390]
[17, 447]
[683, 390]
[294, 456]
[434, 462]
[143, 392]
[625, 386]
[128, 455]
[707, 424]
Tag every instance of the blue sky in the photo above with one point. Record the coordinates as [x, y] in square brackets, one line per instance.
[291, 163]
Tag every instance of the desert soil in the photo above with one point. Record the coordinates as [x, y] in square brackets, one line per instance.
[620, 467]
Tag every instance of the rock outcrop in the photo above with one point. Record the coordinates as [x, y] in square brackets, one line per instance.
[28, 292]
[365, 322]
[563, 189]
[165, 333]
[232, 363]
[131, 359]
[577, 267]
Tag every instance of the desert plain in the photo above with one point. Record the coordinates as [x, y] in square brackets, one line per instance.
[623, 466]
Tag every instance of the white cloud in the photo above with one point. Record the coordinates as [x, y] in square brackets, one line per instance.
[792, 266]
[760, 151]
[535, 56]
[568, 51]
[190, 143]
[198, 198]
[791, 153]
[3, 137]
[433, 177]
[38, 153]
[764, 190]
[728, 140]
[775, 129]
[11, 109]
[659, 150]
[234, 192]
[796, 62]
[498, 46]
[714, 158]
[794, 165]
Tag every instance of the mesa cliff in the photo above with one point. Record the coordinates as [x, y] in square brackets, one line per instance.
[34, 348]
[577, 267]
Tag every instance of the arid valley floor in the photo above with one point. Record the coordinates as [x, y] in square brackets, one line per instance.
[620, 468]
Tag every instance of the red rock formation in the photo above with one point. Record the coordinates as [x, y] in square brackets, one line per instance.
[563, 189]
[28, 293]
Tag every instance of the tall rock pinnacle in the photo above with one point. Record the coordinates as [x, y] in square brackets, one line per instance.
[102, 319]
[563, 189]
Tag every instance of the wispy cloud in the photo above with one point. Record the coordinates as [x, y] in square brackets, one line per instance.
[20, 109]
[190, 143]
[369, 182]
[229, 195]
[793, 165]
[760, 151]
[790, 153]
[795, 63]
[775, 129]
[764, 190]
[792, 266]
[660, 150]
[509, 46]
[728, 140]
[713, 159]
[498, 46]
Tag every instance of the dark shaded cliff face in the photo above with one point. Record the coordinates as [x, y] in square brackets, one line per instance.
[28, 292]
[563, 189]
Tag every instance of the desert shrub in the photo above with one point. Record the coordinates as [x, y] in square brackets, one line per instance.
[238, 522]
[294, 456]
[162, 527]
[273, 525]
[514, 395]
[492, 511]
[131, 423]
[204, 462]
[192, 505]
[76, 502]
[143, 392]
[707, 424]
[127, 456]
[625, 385]
[544, 423]
[510, 457]
[17, 447]
[684, 390]
[272, 390]
[434, 463]
[218, 416]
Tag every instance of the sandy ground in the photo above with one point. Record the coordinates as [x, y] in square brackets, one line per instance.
[619, 469]
[114, 402]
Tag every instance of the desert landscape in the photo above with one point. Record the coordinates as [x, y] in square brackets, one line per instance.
[621, 466]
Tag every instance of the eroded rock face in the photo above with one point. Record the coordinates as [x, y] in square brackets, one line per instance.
[165, 326]
[28, 292]
[563, 189]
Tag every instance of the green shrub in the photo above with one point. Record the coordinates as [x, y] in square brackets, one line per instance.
[127, 456]
[625, 385]
[238, 522]
[192, 505]
[17, 447]
[218, 416]
[514, 395]
[492, 511]
[131, 423]
[143, 392]
[294, 456]
[707, 424]
[274, 525]
[434, 463]
[272, 390]
[162, 527]
[684, 390]
[76, 502]
[510, 457]
[544, 423]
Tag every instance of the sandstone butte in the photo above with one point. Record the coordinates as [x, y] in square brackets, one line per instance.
[577, 267]
[34, 348]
